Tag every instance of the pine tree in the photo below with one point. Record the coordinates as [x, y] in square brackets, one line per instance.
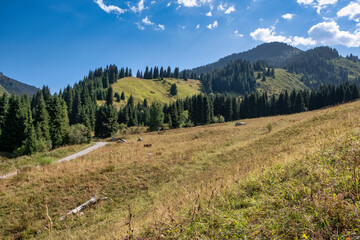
[122, 97]
[14, 131]
[106, 121]
[173, 89]
[3, 109]
[110, 96]
[156, 117]
[41, 120]
[59, 122]
[168, 72]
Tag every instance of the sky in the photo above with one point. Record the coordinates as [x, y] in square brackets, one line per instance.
[56, 43]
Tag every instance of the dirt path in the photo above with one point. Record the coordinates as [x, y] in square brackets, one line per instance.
[76, 155]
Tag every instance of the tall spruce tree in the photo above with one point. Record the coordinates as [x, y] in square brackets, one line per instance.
[156, 117]
[106, 121]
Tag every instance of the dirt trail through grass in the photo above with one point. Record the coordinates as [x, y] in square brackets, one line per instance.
[76, 155]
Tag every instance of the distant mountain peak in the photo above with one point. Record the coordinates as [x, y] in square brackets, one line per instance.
[275, 54]
[19, 88]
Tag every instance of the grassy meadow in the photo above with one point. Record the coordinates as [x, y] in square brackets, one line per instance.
[155, 89]
[283, 81]
[8, 164]
[208, 182]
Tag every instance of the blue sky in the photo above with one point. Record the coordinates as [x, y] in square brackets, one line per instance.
[56, 43]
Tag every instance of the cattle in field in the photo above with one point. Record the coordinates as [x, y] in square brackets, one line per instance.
[147, 145]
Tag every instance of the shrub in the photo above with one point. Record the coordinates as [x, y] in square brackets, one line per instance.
[269, 127]
[79, 134]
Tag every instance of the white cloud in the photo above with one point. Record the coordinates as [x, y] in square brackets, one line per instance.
[140, 6]
[193, 3]
[288, 16]
[169, 4]
[318, 4]
[188, 3]
[352, 11]
[269, 35]
[237, 34]
[198, 26]
[221, 7]
[141, 27]
[109, 8]
[230, 10]
[153, 2]
[329, 33]
[161, 27]
[296, 41]
[147, 21]
[305, 2]
[214, 25]
[209, 14]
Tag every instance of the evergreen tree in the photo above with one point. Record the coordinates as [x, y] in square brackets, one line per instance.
[59, 122]
[106, 121]
[122, 97]
[41, 121]
[156, 117]
[14, 131]
[173, 89]
[110, 96]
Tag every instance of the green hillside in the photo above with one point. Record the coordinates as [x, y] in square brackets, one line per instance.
[2, 90]
[19, 88]
[155, 90]
[353, 68]
[283, 81]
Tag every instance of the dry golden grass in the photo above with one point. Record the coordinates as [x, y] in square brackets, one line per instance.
[158, 183]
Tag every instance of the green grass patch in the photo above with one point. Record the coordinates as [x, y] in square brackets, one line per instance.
[315, 197]
[283, 81]
[155, 89]
[38, 159]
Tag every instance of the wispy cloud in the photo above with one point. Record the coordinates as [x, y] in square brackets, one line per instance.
[214, 25]
[198, 26]
[109, 8]
[318, 4]
[237, 34]
[147, 21]
[139, 8]
[288, 16]
[230, 10]
[209, 14]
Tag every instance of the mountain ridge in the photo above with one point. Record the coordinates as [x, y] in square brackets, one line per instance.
[275, 54]
[19, 88]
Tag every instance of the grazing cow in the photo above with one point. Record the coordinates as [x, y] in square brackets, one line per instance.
[147, 145]
[239, 124]
[140, 139]
[121, 141]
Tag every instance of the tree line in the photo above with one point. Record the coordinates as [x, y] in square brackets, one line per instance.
[45, 121]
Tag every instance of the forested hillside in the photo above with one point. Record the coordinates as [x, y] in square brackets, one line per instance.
[19, 88]
[275, 54]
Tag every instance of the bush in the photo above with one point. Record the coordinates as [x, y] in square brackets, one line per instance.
[79, 134]
[269, 127]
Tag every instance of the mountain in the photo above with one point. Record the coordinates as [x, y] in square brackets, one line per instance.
[323, 65]
[19, 88]
[276, 54]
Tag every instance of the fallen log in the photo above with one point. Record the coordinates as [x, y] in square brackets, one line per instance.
[78, 209]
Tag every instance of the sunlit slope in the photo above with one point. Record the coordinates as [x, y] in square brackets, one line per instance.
[163, 183]
[283, 81]
[155, 90]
